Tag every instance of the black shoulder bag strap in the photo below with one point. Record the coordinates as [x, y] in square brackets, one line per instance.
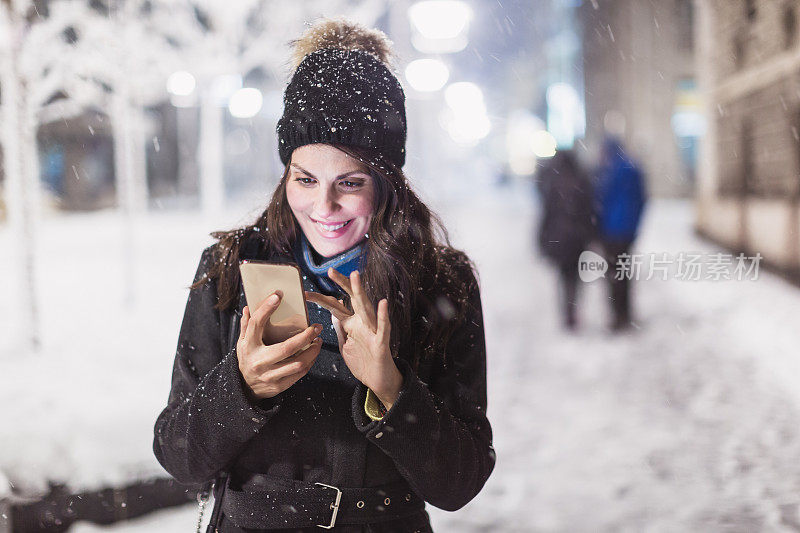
[218, 486]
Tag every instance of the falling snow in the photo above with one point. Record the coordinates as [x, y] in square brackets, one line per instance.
[686, 424]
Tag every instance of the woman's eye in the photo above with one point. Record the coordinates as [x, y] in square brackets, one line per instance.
[304, 180]
[348, 184]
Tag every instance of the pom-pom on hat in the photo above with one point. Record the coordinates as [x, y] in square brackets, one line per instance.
[343, 92]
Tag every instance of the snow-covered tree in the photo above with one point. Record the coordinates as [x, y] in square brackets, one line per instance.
[132, 51]
[41, 76]
[57, 60]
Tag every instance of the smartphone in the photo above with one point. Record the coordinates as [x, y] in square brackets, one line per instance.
[261, 279]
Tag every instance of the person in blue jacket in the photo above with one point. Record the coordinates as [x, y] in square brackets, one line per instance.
[620, 200]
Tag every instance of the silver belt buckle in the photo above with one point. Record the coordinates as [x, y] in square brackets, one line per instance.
[334, 505]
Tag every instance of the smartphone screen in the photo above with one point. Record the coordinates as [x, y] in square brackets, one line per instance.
[260, 279]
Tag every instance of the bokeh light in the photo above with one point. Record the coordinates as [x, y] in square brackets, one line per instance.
[440, 19]
[427, 75]
[543, 144]
[181, 83]
[245, 103]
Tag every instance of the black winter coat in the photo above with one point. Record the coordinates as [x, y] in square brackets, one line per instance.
[567, 224]
[435, 440]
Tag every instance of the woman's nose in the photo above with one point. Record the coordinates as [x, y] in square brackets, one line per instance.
[326, 203]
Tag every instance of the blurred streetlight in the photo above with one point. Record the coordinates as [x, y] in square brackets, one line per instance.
[565, 118]
[181, 88]
[440, 19]
[427, 75]
[181, 83]
[245, 103]
[440, 26]
[543, 144]
[466, 129]
[464, 95]
[465, 118]
[522, 126]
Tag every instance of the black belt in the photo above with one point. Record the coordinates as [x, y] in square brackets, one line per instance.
[264, 502]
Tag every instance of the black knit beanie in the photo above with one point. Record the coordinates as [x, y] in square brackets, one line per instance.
[344, 96]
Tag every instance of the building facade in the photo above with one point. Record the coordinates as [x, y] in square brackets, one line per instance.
[638, 61]
[748, 64]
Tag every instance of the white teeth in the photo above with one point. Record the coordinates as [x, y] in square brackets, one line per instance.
[332, 228]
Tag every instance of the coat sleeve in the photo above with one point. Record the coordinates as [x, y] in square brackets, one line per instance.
[208, 417]
[437, 434]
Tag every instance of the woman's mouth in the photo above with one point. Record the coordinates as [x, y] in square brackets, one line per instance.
[332, 230]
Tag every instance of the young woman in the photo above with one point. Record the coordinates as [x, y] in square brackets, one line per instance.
[386, 409]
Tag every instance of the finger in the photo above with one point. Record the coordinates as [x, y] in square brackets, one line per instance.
[337, 326]
[384, 326]
[289, 380]
[264, 311]
[360, 301]
[341, 280]
[243, 322]
[295, 343]
[299, 363]
[271, 355]
[336, 307]
[250, 330]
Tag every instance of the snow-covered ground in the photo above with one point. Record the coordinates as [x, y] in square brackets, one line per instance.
[688, 423]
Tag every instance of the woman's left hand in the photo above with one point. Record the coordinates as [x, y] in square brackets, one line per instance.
[363, 337]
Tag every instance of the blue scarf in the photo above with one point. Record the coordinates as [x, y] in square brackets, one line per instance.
[345, 263]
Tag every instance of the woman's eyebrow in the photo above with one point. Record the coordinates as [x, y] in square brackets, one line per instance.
[346, 174]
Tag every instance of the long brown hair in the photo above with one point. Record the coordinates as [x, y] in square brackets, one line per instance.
[408, 260]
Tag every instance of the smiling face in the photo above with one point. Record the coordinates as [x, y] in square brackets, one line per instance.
[331, 196]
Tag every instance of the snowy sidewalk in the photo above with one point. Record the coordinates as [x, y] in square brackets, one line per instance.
[689, 423]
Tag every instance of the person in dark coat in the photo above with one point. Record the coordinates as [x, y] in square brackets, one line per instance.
[567, 223]
[620, 195]
[380, 405]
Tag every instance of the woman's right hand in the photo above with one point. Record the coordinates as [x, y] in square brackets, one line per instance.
[269, 370]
